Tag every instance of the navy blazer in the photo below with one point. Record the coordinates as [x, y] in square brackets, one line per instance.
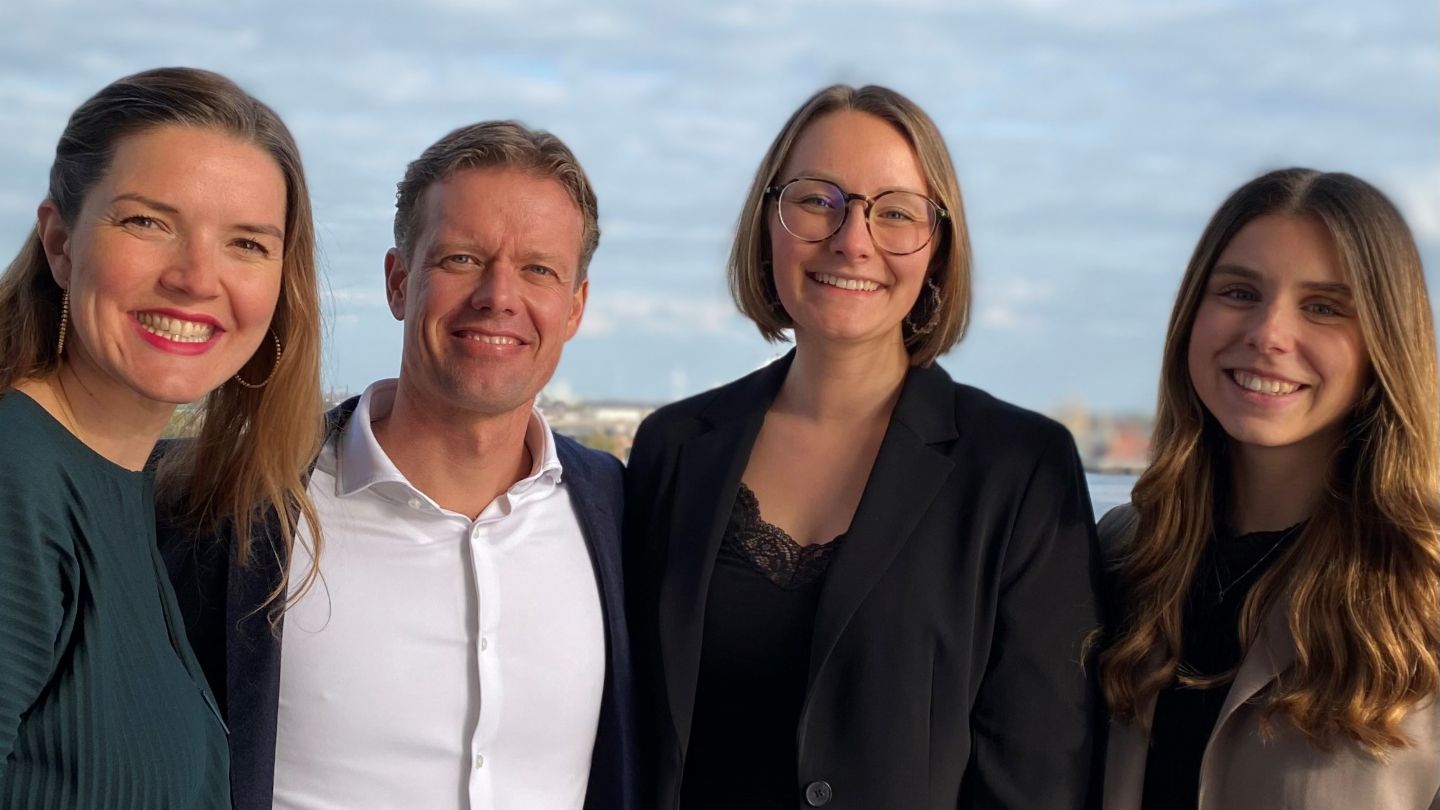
[241, 654]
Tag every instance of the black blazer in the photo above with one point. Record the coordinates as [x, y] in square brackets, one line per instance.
[241, 656]
[944, 666]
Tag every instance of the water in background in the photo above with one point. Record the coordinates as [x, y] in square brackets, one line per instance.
[1108, 490]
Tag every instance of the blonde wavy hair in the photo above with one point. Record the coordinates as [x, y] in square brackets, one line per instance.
[253, 447]
[1361, 586]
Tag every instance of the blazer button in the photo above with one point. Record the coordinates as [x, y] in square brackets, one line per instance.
[818, 793]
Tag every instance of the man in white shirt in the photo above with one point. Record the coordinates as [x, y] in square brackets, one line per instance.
[464, 645]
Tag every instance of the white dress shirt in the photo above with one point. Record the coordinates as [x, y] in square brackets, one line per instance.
[440, 662]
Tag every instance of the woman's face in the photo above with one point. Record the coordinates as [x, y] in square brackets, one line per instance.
[1276, 353]
[844, 289]
[173, 264]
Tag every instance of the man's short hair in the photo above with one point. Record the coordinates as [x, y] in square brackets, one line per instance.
[496, 144]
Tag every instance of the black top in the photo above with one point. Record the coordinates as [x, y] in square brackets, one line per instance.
[101, 701]
[1210, 645]
[754, 661]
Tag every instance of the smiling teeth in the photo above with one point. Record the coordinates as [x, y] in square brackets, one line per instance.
[1263, 385]
[180, 331]
[493, 340]
[847, 283]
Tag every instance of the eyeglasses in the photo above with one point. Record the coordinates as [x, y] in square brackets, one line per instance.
[900, 222]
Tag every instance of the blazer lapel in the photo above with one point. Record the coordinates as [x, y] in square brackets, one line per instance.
[1127, 752]
[252, 653]
[709, 468]
[610, 778]
[252, 677]
[1272, 653]
[907, 475]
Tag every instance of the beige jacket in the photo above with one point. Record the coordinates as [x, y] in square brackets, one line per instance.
[1241, 770]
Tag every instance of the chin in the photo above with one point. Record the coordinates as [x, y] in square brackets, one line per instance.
[177, 391]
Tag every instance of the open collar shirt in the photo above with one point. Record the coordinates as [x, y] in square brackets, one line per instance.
[439, 662]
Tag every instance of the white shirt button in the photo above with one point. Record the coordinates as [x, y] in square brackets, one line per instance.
[484, 644]
[414, 503]
[479, 761]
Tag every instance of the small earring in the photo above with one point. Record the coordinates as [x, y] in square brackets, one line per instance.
[769, 292]
[279, 352]
[64, 322]
[934, 319]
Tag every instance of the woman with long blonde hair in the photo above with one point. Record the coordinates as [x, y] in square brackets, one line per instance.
[173, 260]
[1275, 635]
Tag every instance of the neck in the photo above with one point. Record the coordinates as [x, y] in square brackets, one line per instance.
[1273, 488]
[122, 429]
[460, 459]
[843, 383]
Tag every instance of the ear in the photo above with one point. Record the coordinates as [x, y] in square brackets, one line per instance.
[55, 241]
[396, 274]
[577, 309]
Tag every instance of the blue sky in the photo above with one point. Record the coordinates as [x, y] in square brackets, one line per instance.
[1093, 139]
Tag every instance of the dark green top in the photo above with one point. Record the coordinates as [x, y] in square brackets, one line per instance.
[102, 704]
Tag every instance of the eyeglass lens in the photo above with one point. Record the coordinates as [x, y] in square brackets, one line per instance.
[900, 221]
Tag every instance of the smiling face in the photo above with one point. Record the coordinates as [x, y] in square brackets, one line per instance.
[844, 289]
[1276, 352]
[489, 295]
[172, 265]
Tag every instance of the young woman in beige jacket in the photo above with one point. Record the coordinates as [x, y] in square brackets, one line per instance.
[1274, 637]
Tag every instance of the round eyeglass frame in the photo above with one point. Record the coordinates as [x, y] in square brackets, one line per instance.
[777, 192]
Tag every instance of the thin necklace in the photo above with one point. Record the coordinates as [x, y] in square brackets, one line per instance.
[1224, 589]
[66, 411]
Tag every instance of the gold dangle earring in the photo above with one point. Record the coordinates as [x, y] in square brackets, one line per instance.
[64, 322]
[934, 319]
[279, 352]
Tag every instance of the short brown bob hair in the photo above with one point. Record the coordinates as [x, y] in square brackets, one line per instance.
[749, 271]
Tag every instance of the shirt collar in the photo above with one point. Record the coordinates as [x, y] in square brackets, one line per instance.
[360, 463]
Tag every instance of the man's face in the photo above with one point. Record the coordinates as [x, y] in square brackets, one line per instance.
[489, 293]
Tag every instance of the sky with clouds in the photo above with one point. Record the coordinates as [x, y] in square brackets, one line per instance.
[1093, 139]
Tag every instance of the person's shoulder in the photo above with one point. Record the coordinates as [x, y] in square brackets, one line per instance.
[692, 407]
[1117, 530]
[995, 421]
[594, 465]
[32, 441]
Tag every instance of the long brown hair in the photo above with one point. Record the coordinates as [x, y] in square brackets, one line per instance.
[748, 271]
[1361, 586]
[253, 446]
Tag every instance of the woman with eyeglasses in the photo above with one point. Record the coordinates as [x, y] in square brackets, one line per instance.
[1276, 637]
[172, 261]
[854, 582]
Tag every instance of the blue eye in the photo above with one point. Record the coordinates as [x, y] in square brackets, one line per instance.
[817, 201]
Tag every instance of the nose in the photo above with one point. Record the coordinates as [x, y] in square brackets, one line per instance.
[193, 271]
[853, 239]
[496, 289]
[1272, 329]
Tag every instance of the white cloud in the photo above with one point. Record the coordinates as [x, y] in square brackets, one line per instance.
[1417, 195]
[620, 312]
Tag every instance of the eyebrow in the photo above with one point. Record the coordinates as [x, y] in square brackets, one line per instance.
[829, 178]
[166, 208]
[552, 259]
[1331, 287]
